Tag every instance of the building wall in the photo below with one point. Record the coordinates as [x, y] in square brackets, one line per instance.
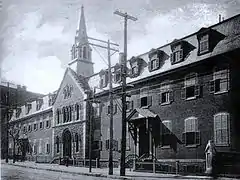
[37, 138]
[75, 126]
[17, 95]
[203, 107]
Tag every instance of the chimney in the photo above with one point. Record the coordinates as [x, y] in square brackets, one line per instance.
[219, 18]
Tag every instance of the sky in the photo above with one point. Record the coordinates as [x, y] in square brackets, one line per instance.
[36, 36]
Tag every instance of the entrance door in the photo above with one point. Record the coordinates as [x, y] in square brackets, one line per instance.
[143, 141]
[67, 143]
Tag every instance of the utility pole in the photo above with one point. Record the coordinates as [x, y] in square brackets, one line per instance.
[91, 95]
[7, 119]
[110, 157]
[124, 65]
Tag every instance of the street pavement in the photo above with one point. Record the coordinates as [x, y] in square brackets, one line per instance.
[9, 172]
[36, 171]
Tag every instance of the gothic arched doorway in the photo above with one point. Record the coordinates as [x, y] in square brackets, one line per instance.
[67, 143]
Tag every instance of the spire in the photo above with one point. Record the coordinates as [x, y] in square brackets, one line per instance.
[82, 30]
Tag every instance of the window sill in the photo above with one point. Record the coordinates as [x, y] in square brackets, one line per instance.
[191, 98]
[145, 107]
[220, 92]
[222, 145]
[165, 103]
[166, 147]
[192, 146]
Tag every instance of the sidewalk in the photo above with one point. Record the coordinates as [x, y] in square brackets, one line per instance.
[103, 172]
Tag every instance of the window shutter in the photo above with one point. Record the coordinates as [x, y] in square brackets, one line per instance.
[184, 138]
[157, 63]
[171, 96]
[131, 105]
[183, 93]
[149, 100]
[159, 96]
[138, 102]
[115, 109]
[197, 90]
[181, 54]
[100, 145]
[197, 138]
[149, 66]
[172, 58]
[212, 86]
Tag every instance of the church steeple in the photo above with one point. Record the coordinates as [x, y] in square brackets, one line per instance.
[81, 33]
[81, 51]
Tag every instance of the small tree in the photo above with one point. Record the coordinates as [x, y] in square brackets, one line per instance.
[14, 133]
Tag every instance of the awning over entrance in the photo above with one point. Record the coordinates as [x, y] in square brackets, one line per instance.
[141, 118]
[142, 113]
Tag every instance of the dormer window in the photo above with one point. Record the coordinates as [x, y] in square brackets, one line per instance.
[103, 79]
[155, 56]
[18, 112]
[204, 43]
[177, 54]
[39, 104]
[135, 64]
[28, 107]
[180, 50]
[207, 40]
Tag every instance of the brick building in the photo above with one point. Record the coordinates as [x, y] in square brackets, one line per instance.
[185, 93]
[17, 96]
[31, 129]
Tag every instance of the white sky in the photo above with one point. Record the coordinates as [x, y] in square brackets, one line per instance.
[36, 37]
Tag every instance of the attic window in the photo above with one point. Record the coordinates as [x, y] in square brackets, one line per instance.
[177, 54]
[103, 79]
[39, 104]
[28, 108]
[117, 76]
[154, 59]
[204, 44]
[135, 66]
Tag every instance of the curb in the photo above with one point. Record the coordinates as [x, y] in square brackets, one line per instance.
[130, 177]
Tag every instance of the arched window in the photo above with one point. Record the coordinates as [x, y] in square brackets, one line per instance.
[57, 144]
[77, 111]
[77, 142]
[70, 113]
[221, 129]
[64, 115]
[58, 116]
[84, 52]
[80, 52]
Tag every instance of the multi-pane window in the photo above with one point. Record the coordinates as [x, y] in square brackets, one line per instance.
[177, 54]
[204, 43]
[115, 106]
[39, 103]
[129, 104]
[115, 144]
[117, 76]
[191, 88]
[221, 129]
[191, 135]
[166, 94]
[28, 107]
[77, 111]
[220, 82]
[154, 64]
[166, 133]
[134, 70]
